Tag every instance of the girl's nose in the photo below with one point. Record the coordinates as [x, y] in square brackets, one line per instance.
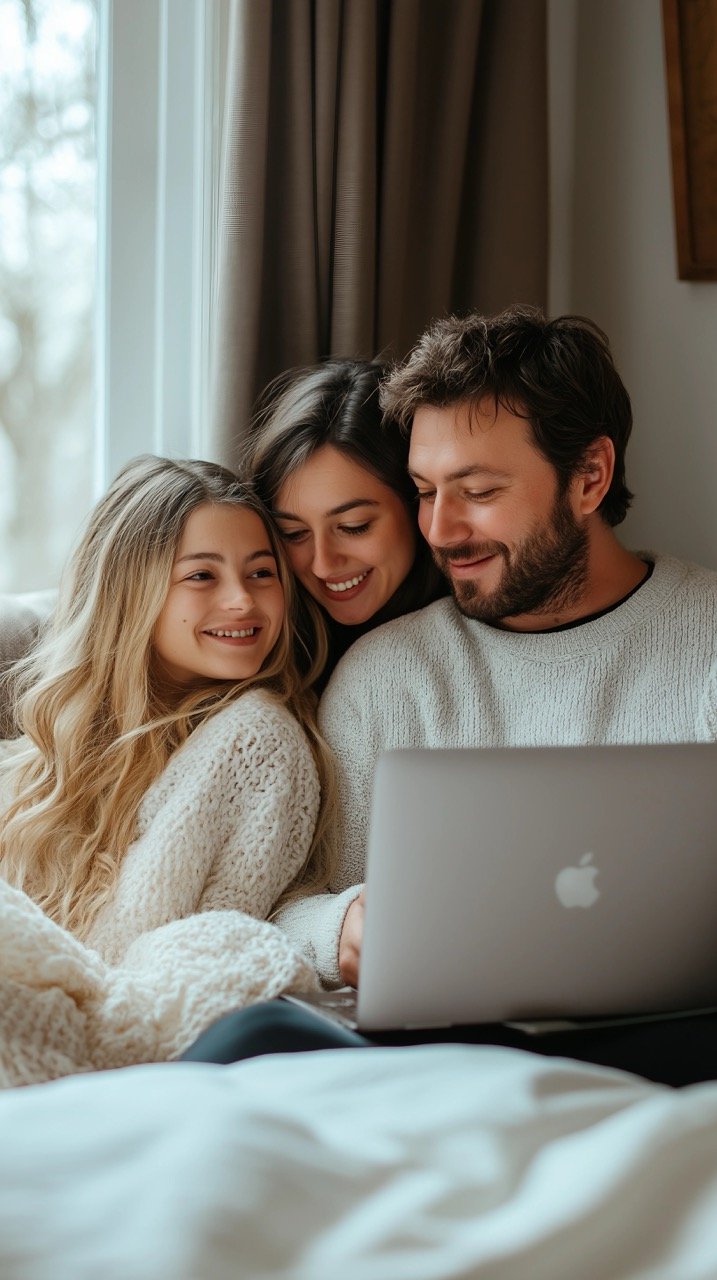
[239, 596]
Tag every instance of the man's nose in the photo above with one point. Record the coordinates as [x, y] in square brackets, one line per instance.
[448, 525]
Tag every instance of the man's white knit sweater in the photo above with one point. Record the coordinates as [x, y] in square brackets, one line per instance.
[643, 672]
[221, 833]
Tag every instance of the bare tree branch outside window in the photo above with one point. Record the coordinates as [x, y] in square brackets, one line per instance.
[48, 223]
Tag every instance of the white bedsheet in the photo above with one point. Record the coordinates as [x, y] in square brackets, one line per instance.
[430, 1163]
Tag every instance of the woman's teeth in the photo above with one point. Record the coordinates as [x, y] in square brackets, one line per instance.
[345, 586]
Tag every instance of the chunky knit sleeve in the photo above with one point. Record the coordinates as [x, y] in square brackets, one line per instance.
[226, 826]
[63, 1010]
[270, 789]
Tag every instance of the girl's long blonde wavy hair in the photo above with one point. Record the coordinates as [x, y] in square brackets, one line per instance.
[97, 728]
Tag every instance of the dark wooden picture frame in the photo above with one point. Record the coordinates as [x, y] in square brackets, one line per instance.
[690, 31]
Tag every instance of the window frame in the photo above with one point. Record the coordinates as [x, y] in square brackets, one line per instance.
[158, 134]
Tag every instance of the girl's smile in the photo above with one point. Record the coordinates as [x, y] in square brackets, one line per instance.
[225, 603]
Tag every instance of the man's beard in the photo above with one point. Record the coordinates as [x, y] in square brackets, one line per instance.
[545, 573]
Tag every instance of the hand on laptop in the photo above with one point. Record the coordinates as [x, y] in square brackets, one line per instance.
[350, 942]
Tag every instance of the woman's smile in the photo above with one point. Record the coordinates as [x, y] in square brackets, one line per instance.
[347, 587]
[352, 552]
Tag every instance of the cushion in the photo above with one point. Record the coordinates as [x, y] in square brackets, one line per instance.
[21, 619]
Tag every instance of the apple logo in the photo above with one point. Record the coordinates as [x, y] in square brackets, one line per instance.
[575, 886]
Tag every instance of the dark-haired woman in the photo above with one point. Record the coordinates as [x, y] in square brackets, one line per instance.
[335, 477]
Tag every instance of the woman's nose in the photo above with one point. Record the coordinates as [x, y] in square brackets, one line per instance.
[327, 559]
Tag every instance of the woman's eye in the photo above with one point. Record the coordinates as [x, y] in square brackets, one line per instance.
[293, 535]
[481, 495]
[201, 575]
[355, 528]
[425, 495]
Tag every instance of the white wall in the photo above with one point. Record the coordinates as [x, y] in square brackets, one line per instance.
[614, 260]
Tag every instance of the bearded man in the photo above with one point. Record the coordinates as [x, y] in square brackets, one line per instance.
[556, 634]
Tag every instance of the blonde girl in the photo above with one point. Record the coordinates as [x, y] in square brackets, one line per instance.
[169, 773]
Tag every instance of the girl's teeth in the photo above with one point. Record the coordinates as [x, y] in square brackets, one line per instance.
[235, 635]
[345, 586]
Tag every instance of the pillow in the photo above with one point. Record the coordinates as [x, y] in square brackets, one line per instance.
[21, 619]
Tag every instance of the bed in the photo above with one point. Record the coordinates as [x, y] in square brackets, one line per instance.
[428, 1163]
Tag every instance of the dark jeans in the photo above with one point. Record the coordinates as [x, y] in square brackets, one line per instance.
[676, 1051]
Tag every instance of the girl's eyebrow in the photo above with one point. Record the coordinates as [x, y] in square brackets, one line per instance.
[200, 555]
[218, 558]
[335, 511]
[260, 555]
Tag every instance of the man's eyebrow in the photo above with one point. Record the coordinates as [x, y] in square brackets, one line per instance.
[334, 511]
[473, 470]
[219, 559]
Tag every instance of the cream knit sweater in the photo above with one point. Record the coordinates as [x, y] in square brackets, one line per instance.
[645, 672]
[221, 833]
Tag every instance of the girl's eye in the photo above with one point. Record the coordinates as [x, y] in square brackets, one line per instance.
[263, 573]
[355, 528]
[201, 575]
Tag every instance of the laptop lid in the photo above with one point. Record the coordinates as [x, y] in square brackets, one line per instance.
[550, 882]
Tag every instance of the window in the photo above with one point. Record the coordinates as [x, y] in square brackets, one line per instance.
[109, 148]
[48, 194]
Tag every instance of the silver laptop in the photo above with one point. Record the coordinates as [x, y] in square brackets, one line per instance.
[533, 884]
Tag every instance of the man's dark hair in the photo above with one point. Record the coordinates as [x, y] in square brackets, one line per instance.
[558, 374]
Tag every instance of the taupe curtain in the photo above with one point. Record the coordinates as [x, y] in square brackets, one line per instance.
[383, 162]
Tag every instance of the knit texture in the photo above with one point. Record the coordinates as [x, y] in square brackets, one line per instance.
[221, 833]
[644, 673]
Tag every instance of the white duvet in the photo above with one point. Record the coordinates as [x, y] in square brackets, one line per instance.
[389, 1164]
